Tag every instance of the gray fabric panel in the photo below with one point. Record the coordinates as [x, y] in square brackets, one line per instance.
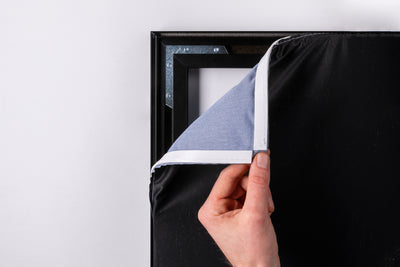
[227, 125]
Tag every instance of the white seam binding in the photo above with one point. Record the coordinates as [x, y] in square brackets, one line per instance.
[205, 157]
[261, 101]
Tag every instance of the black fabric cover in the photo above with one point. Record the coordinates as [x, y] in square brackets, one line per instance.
[334, 115]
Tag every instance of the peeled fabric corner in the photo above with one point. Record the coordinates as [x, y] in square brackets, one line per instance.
[327, 105]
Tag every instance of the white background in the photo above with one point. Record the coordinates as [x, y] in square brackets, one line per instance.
[207, 85]
[75, 114]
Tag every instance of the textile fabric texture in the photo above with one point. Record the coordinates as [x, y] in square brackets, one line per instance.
[334, 128]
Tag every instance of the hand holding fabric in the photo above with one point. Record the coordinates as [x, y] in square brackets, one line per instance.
[237, 214]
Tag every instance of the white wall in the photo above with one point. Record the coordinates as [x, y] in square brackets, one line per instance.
[75, 116]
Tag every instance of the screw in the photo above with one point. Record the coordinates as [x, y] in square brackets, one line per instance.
[216, 49]
[169, 65]
[186, 49]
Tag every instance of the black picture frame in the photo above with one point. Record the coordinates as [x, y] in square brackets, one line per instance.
[242, 50]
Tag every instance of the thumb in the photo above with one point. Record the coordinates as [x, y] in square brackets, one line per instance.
[257, 196]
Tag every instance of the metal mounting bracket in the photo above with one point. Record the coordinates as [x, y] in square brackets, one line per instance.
[170, 51]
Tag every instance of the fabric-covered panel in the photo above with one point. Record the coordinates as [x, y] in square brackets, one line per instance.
[178, 237]
[334, 127]
[334, 137]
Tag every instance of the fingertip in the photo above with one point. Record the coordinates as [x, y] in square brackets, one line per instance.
[262, 160]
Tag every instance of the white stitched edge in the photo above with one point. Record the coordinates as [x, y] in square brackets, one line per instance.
[205, 157]
[261, 101]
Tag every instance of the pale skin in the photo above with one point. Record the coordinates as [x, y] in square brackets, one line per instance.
[237, 214]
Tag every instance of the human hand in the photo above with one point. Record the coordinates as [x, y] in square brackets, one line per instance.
[237, 214]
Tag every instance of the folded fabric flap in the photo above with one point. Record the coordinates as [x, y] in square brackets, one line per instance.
[233, 129]
[223, 134]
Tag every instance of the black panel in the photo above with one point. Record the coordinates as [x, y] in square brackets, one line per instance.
[334, 133]
[334, 139]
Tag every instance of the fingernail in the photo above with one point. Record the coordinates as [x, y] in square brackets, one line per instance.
[262, 160]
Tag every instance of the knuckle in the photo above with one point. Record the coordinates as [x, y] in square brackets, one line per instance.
[255, 219]
[202, 215]
[224, 173]
[272, 209]
[259, 180]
